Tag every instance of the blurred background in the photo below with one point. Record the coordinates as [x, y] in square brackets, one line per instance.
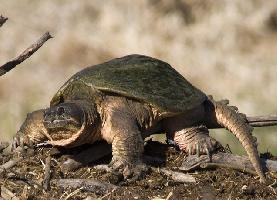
[225, 48]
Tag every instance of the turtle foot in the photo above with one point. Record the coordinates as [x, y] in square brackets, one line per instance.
[196, 140]
[122, 170]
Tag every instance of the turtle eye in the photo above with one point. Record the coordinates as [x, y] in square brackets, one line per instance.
[60, 110]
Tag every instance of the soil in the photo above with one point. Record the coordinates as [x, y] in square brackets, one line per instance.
[24, 180]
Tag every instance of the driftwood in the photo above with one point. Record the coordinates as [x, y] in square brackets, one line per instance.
[25, 54]
[226, 160]
[47, 174]
[89, 185]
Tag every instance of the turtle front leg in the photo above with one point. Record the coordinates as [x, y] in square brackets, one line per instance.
[121, 130]
[196, 140]
[127, 150]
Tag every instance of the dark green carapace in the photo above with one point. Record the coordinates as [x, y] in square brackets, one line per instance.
[140, 77]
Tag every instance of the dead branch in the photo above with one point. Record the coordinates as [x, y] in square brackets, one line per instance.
[25, 54]
[2, 20]
[90, 185]
[241, 163]
[260, 121]
[47, 173]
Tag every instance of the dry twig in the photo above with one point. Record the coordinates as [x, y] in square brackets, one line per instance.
[7, 194]
[2, 20]
[9, 164]
[47, 173]
[86, 184]
[179, 177]
[25, 54]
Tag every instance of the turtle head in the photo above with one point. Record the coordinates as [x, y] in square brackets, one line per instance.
[71, 123]
[63, 117]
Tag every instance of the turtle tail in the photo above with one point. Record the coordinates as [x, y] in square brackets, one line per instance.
[229, 118]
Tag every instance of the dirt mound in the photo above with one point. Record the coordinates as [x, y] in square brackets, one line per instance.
[26, 179]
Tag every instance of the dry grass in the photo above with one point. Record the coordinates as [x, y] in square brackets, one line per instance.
[226, 48]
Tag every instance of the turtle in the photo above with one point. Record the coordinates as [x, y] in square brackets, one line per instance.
[127, 99]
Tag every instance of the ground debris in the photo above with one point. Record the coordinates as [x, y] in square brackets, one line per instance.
[25, 178]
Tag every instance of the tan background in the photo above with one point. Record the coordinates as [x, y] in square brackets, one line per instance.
[226, 48]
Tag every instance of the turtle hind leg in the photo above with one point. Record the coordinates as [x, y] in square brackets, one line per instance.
[196, 140]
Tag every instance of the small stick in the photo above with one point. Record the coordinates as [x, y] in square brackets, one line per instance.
[176, 176]
[90, 185]
[2, 20]
[47, 173]
[9, 164]
[25, 54]
[7, 194]
[73, 193]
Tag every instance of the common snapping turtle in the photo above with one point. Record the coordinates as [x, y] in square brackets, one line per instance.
[127, 99]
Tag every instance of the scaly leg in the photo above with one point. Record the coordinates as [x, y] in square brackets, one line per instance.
[121, 130]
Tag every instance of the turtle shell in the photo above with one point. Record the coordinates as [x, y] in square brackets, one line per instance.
[143, 78]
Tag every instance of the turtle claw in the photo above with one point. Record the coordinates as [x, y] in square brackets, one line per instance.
[124, 170]
[197, 150]
[208, 153]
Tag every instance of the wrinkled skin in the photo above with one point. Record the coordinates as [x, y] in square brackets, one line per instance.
[113, 102]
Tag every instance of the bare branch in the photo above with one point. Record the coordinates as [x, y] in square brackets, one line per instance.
[2, 20]
[260, 121]
[25, 54]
